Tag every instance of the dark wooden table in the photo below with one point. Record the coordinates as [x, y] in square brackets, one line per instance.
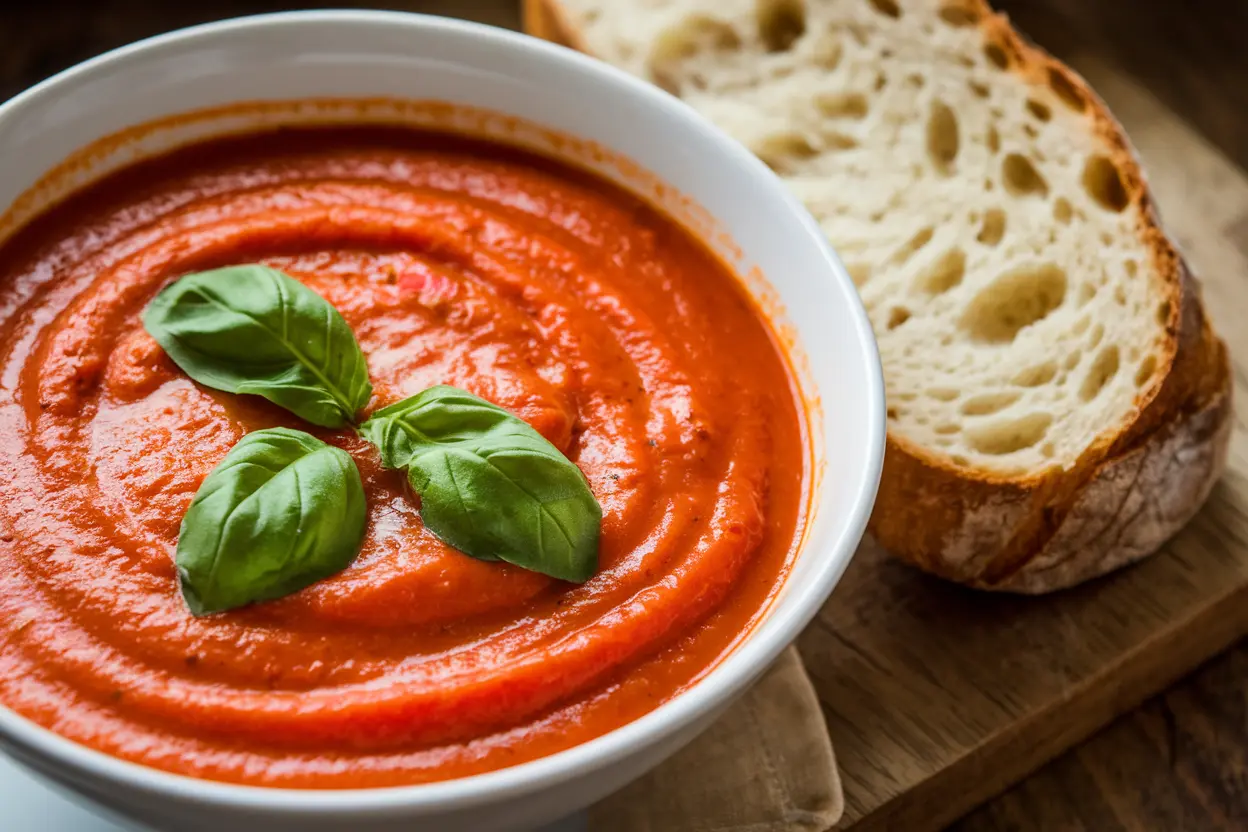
[1180, 761]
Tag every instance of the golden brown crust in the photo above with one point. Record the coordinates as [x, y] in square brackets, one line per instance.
[1135, 500]
[547, 21]
[1010, 533]
[1134, 486]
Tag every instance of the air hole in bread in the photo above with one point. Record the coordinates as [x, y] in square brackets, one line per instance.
[943, 394]
[1072, 360]
[996, 55]
[1104, 368]
[947, 429]
[1164, 312]
[1021, 176]
[780, 23]
[1094, 339]
[859, 272]
[842, 104]
[1066, 90]
[892, 413]
[827, 52]
[1039, 109]
[1087, 291]
[993, 227]
[1015, 300]
[1120, 296]
[915, 80]
[1081, 325]
[908, 249]
[888, 8]
[1131, 268]
[1010, 436]
[944, 273]
[666, 81]
[956, 15]
[979, 89]
[942, 136]
[1145, 372]
[881, 81]
[992, 140]
[1048, 450]
[1061, 210]
[1103, 182]
[694, 35]
[781, 151]
[836, 140]
[958, 459]
[1036, 375]
[897, 316]
[988, 403]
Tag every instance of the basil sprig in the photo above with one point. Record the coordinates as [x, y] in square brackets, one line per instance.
[280, 512]
[284, 510]
[489, 484]
[252, 329]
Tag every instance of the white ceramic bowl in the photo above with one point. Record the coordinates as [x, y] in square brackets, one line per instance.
[373, 54]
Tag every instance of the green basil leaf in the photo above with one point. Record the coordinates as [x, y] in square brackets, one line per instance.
[489, 484]
[282, 510]
[252, 329]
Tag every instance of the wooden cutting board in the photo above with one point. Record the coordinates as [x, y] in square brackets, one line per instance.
[938, 698]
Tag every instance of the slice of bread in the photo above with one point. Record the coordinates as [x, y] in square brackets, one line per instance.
[1058, 405]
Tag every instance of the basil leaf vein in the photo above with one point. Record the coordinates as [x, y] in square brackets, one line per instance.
[252, 329]
[489, 484]
[281, 511]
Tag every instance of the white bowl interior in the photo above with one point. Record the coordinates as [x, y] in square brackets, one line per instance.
[749, 220]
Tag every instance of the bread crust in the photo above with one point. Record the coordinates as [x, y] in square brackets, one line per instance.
[1137, 483]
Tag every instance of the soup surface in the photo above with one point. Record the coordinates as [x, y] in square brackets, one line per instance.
[583, 311]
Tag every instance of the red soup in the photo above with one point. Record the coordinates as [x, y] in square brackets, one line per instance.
[555, 295]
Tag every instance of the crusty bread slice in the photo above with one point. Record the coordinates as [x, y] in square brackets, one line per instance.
[1058, 405]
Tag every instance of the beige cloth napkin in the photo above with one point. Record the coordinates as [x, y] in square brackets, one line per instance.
[765, 766]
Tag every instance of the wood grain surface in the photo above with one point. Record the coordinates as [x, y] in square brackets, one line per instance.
[939, 698]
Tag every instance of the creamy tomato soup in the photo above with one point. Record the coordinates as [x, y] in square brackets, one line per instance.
[575, 306]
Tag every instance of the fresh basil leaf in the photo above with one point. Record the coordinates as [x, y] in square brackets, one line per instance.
[282, 510]
[252, 329]
[489, 484]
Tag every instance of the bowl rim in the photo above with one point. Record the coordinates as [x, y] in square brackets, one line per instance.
[713, 691]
